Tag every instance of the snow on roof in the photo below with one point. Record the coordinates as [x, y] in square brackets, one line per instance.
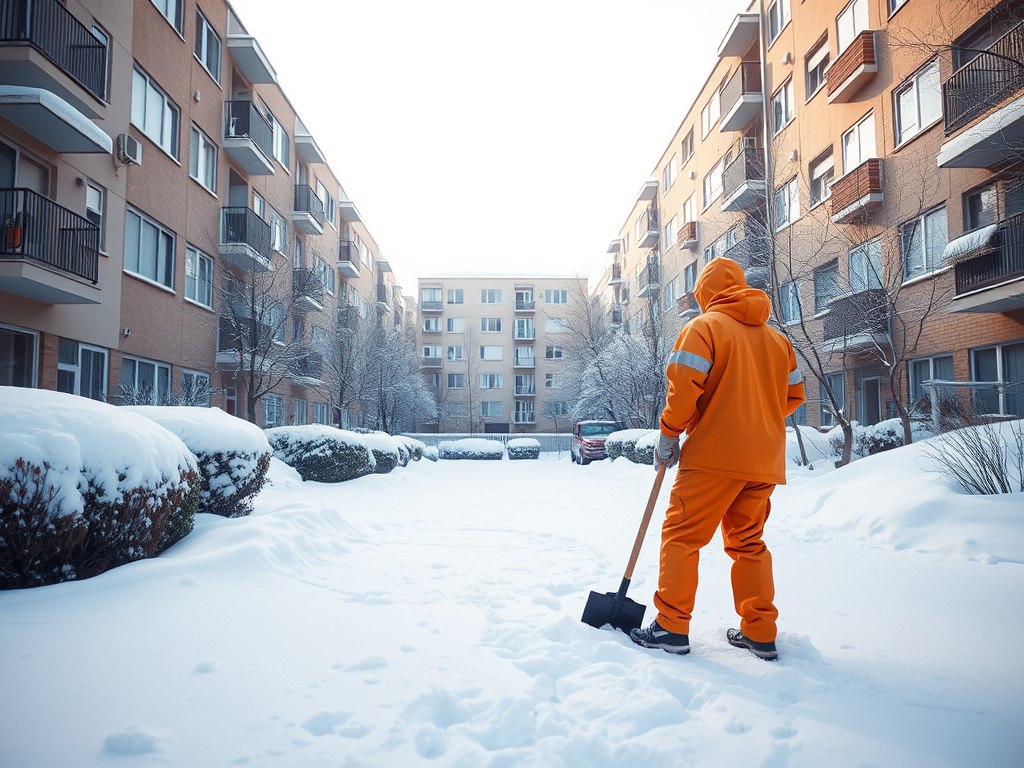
[22, 95]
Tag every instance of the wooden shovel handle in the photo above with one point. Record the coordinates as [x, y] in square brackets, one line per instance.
[645, 522]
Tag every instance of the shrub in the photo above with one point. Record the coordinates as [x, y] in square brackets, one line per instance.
[472, 448]
[883, 436]
[430, 453]
[414, 446]
[85, 487]
[623, 443]
[322, 454]
[385, 450]
[403, 454]
[643, 451]
[523, 448]
[233, 455]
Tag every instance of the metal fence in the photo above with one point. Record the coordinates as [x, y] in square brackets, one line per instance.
[550, 442]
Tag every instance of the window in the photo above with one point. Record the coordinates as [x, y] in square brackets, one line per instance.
[490, 296]
[789, 299]
[816, 63]
[721, 245]
[104, 39]
[456, 381]
[837, 385]
[922, 241]
[490, 408]
[456, 325]
[154, 114]
[492, 381]
[207, 46]
[560, 408]
[525, 384]
[282, 142]
[145, 382]
[778, 17]
[1005, 363]
[81, 369]
[202, 160]
[938, 368]
[713, 183]
[430, 295]
[668, 175]
[671, 229]
[980, 208]
[490, 324]
[851, 22]
[670, 293]
[278, 230]
[821, 173]
[690, 277]
[95, 199]
[198, 277]
[431, 324]
[549, 381]
[326, 199]
[524, 298]
[782, 107]
[524, 328]
[553, 353]
[556, 296]
[18, 356]
[321, 413]
[859, 143]
[148, 249]
[895, 5]
[866, 266]
[492, 353]
[917, 104]
[432, 351]
[787, 204]
[259, 205]
[455, 296]
[195, 388]
[327, 274]
[555, 325]
[710, 114]
[826, 285]
[524, 356]
[456, 353]
[687, 148]
[273, 411]
[277, 316]
[688, 212]
[172, 11]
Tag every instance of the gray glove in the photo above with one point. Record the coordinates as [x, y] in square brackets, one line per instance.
[668, 451]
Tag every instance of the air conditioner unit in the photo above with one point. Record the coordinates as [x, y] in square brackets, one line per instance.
[129, 150]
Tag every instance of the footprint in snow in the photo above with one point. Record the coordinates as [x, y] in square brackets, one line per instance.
[133, 740]
[371, 662]
[324, 723]
[205, 667]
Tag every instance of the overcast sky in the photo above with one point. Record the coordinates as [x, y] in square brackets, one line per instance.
[494, 137]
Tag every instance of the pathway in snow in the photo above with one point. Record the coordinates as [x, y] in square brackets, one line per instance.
[432, 616]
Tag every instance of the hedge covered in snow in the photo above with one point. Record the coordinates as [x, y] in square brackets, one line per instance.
[386, 452]
[322, 454]
[430, 453]
[645, 446]
[523, 448]
[868, 440]
[233, 454]
[86, 486]
[473, 448]
[412, 445]
[623, 443]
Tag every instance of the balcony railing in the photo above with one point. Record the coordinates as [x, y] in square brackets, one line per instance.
[853, 68]
[307, 201]
[743, 180]
[687, 234]
[526, 390]
[348, 258]
[382, 297]
[50, 28]
[1003, 261]
[243, 226]
[616, 274]
[741, 97]
[36, 228]
[243, 334]
[309, 364]
[430, 362]
[524, 417]
[525, 305]
[647, 228]
[348, 318]
[864, 313]
[616, 318]
[432, 306]
[524, 361]
[985, 81]
[650, 279]
[524, 334]
[753, 253]
[307, 284]
[856, 191]
[242, 120]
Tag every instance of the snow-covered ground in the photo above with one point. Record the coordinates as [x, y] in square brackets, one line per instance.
[432, 616]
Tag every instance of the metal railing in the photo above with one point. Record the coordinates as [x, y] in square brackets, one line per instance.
[430, 362]
[985, 81]
[348, 318]
[526, 389]
[1004, 261]
[50, 28]
[524, 334]
[862, 312]
[524, 361]
[34, 227]
[347, 251]
[242, 120]
[650, 275]
[523, 305]
[748, 165]
[308, 284]
[550, 442]
[745, 80]
[307, 201]
[243, 225]
[309, 364]
[524, 417]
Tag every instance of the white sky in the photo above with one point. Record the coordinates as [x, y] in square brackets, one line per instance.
[475, 136]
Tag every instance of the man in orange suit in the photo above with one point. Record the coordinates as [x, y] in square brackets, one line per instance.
[732, 381]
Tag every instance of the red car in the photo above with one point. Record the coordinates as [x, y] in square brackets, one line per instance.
[588, 438]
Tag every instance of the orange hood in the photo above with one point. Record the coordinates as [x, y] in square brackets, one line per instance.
[722, 287]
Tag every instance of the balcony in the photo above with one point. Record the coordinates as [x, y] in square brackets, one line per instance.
[616, 276]
[348, 318]
[432, 306]
[348, 211]
[47, 253]
[348, 259]
[991, 278]
[52, 120]
[982, 85]
[307, 290]
[624, 295]
[743, 181]
[650, 279]
[615, 246]
[45, 46]
[753, 253]
[525, 305]
[524, 417]
[740, 36]
[250, 59]
[687, 237]
[524, 334]
[382, 298]
[686, 307]
[383, 264]
[307, 150]
[248, 138]
[524, 360]
[648, 192]
[616, 317]
[307, 366]
[857, 322]
[245, 239]
[857, 193]
[240, 334]
[647, 228]
[852, 69]
[742, 98]
[526, 390]
[307, 211]
[430, 362]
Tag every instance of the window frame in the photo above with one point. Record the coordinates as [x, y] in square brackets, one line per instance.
[170, 120]
[455, 376]
[819, 53]
[191, 252]
[857, 129]
[818, 172]
[99, 215]
[871, 252]
[204, 32]
[199, 155]
[450, 325]
[456, 293]
[790, 192]
[713, 105]
[824, 293]
[179, 22]
[785, 91]
[273, 398]
[162, 232]
[783, 15]
[929, 264]
[486, 349]
[158, 397]
[970, 224]
[912, 85]
[789, 294]
[851, 6]
[490, 295]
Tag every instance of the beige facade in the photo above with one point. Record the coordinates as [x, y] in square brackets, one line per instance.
[857, 143]
[145, 180]
[493, 346]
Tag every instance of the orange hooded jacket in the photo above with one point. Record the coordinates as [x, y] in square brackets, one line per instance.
[732, 381]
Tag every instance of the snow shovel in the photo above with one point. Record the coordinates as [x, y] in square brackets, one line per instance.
[614, 607]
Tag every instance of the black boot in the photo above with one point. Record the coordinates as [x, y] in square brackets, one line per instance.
[656, 637]
[766, 651]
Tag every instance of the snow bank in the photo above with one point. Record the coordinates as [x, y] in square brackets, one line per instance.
[321, 453]
[471, 448]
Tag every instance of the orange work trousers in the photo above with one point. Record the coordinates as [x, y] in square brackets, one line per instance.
[699, 502]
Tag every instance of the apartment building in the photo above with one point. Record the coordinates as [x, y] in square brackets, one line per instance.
[493, 346]
[171, 229]
[863, 161]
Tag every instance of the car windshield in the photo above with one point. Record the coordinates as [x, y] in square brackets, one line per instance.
[598, 430]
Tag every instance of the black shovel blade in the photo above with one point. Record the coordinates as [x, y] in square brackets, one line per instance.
[608, 608]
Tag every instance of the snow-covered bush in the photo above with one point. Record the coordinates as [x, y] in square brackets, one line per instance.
[474, 448]
[623, 443]
[523, 448]
[412, 445]
[385, 450]
[883, 436]
[85, 487]
[233, 454]
[430, 452]
[321, 453]
[643, 450]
